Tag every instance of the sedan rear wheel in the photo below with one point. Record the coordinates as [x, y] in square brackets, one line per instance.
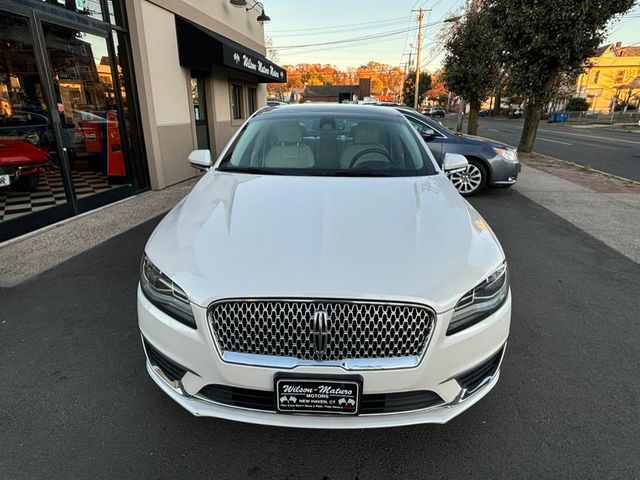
[471, 180]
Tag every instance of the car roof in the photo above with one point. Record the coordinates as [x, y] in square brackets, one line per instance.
[331, 109]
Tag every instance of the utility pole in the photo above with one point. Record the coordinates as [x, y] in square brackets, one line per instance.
[417, 84]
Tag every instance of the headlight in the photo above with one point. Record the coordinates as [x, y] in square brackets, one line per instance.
[508, 154]
[482, 301]
[165, 294]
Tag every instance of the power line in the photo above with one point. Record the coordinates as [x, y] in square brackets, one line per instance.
[334, 32]
[356, 39]
[347, 40]
[329, 27]
[384, 23]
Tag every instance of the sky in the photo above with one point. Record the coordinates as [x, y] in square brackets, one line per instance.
[295, 23]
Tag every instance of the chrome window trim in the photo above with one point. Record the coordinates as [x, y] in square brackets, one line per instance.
[415, 117]
[354, 364]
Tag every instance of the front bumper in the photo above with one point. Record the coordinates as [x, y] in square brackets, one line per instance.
[446, 359]
[503, 172]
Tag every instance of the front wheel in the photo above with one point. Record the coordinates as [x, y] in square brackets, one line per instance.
[471, 180]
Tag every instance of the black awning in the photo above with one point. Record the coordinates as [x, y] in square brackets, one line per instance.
[202, 49]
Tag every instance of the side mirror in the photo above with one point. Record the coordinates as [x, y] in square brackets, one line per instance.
[201, 159]
[454, 162]
[428, 133]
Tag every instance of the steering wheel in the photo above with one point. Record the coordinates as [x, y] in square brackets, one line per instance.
[367, 151]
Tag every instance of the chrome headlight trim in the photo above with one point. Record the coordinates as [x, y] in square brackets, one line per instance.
[165, 294]
[481, 301]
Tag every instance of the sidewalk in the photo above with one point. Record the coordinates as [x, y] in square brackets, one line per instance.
[605, 207]
[25, 257]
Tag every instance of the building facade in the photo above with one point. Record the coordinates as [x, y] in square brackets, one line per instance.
[103, 99]
[337, 93]
[612, 79]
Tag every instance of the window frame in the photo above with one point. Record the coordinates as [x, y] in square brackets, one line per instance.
[241, 103]
[252, 97]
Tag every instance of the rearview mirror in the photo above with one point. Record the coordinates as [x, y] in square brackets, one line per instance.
[201, 159]
[454, 162]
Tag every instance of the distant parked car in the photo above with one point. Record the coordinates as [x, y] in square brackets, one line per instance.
[274, 103]
[21, 163]
[517, 113]
[437, 112]
[485, 112]
[491, 163]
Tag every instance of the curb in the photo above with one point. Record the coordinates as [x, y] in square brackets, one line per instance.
[582, 167]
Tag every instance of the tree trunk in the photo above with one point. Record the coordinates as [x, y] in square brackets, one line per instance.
[532, 115]
[497, 101]
[472, 123]
[460, 116]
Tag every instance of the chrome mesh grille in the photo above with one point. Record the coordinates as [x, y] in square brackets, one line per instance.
[352, 330]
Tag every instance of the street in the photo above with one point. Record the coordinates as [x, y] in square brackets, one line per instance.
[605, 149]
[78, 403]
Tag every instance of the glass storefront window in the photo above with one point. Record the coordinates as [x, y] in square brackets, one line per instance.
[70, 133]
[85, 103]
[116, 14]
[30, 169]
[91, 8]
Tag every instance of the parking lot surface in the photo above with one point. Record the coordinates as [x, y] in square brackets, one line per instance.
[77, 402]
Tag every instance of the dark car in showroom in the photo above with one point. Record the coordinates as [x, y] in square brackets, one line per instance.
[491, 163]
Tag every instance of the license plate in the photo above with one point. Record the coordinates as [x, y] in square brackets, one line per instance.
[5, 180]
[318, 396]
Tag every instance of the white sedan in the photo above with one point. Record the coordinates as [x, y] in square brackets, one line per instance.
[325, 273]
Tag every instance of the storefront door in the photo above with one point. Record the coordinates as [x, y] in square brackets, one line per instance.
[85, 104]
[31, 169]
[66, 121]
[199, 104]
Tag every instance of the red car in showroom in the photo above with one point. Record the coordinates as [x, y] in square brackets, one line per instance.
[21, 163]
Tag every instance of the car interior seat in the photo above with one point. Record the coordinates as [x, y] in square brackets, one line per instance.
[289, 151]
[365, 136]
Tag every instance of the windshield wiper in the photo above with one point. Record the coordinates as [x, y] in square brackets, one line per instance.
[256, 170]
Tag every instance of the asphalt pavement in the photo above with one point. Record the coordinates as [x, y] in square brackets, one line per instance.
[77, 402]
[605, 149]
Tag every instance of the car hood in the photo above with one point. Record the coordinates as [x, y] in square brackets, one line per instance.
[406, 239]
[489, 142]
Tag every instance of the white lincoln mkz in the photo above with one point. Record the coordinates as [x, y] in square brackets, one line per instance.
[325, 273]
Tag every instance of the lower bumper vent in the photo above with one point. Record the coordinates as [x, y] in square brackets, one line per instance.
[172, 370]
[371, 403]
[475, 378]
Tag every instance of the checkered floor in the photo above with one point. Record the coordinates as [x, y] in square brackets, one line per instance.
[50, 192]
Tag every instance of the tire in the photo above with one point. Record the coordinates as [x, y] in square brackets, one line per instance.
[26, 184]
[472, 180]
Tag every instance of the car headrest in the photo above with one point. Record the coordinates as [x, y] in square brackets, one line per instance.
[367, 134]
[289, 133]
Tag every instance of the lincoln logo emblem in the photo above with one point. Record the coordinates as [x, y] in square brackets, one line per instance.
[320, 331]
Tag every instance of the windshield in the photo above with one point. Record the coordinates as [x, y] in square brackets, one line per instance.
[328, 144]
